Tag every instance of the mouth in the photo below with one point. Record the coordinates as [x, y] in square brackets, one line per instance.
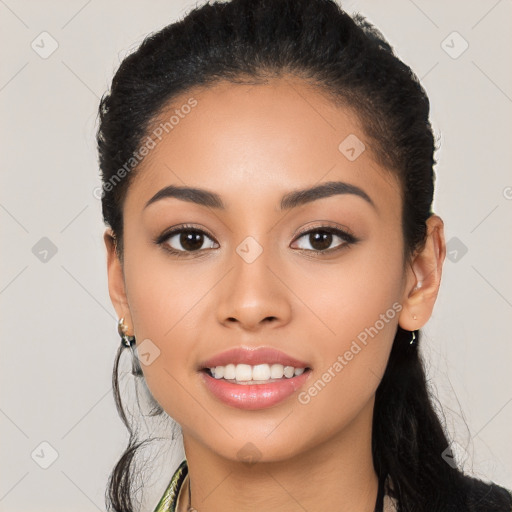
[246, 374]
[253, 378]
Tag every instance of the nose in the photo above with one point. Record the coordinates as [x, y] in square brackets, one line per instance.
[254, 293]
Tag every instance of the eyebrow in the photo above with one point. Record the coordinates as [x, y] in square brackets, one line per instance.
[290, 200]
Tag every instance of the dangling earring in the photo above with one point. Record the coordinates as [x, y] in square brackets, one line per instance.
[413, 339]
[127, 341]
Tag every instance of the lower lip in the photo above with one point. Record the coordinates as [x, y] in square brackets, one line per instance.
[254, 396]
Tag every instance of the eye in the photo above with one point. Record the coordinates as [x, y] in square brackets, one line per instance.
[185, 239]
[321, 238]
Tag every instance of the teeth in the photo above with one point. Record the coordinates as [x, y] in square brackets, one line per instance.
[258, 373]
[229, 371]
[277, 371]
[261, 372]
[288, 371]
[243, 372]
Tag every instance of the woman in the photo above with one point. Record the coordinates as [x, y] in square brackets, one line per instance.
[268, 180]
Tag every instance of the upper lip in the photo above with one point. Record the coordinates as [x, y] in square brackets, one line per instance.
[253, 356]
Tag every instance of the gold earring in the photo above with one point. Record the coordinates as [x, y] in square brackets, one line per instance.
[121, 329]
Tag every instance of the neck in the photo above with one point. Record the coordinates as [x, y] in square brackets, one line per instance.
[337, 474]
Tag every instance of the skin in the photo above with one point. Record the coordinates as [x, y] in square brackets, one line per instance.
[252, 144]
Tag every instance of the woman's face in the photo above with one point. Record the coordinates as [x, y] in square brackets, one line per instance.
[252, 280]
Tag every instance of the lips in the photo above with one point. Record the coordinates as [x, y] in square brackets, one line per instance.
[254, 396]
[252, 356]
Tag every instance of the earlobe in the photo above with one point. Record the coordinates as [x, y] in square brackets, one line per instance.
[116, 285]
[424, 279]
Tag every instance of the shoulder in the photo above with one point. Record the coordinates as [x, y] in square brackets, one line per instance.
[481, 496]
[468, 494]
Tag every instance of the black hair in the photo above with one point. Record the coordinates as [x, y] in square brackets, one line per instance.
[348, 59]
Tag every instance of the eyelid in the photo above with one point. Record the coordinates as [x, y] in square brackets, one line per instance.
[181, 227]
[325, 225]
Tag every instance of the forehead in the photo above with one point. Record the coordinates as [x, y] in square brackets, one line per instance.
[259, 142]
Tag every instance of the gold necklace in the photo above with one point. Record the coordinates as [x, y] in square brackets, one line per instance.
[190, 508]
[167, 502]
[171, 499]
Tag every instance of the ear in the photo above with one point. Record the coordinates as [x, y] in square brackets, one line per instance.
[116, 284]
[424, 278]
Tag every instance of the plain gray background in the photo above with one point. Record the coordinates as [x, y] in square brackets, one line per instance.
[58, 328]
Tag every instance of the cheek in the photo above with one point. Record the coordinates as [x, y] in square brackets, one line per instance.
[351, 295]
[357, 309]
[165, 301]
[163, 293]
[344, 383]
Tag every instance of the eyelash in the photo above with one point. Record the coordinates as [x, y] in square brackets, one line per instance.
[348, 237]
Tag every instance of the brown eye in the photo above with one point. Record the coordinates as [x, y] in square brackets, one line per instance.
[320, 239]
[183, 240]
[189, 240]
